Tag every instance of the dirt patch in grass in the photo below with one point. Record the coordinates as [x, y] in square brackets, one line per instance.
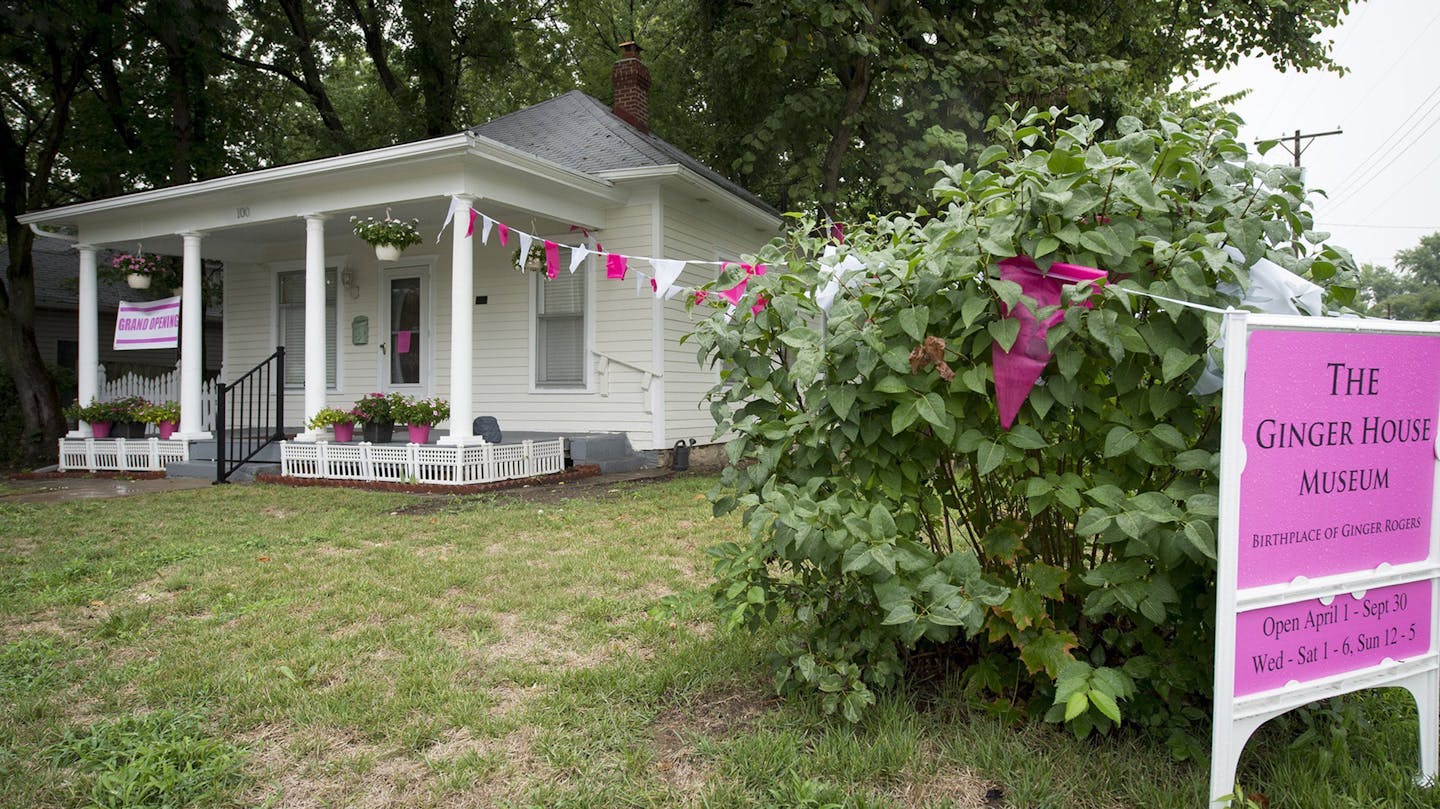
[949, 786]
[324, 767]
[715, 715]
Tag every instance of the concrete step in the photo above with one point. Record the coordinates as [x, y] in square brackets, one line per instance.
[190, 469]
[649, 459]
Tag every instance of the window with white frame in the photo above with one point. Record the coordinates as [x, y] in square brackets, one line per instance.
[560, 330]
[290, 322]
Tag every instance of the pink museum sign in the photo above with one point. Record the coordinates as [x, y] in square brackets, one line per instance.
[1307, 640]
[1339, 435]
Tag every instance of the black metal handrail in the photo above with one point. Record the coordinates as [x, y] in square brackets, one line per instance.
[245, 420]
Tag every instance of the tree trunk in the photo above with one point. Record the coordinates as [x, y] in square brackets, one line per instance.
[38, 401]
[856, 81]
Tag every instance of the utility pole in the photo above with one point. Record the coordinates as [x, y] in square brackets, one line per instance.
[1297, 148]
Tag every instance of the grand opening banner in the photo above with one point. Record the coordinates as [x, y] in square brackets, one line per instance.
[1328, 562]
[153, 324]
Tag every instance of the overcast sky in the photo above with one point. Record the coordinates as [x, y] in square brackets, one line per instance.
[1383, 173]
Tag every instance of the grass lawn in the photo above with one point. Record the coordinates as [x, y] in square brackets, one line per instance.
[258, 645]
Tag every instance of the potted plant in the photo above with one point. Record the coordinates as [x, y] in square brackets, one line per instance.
[341, 422]
[127, 416]
[534, 260]
[165, 416]
[138, 268]
[96, 414]
[388, 236]
[375, 412]
[421, 415]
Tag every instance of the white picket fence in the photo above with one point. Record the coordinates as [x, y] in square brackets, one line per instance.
[121, 454]
[422, 463]
[163, 388]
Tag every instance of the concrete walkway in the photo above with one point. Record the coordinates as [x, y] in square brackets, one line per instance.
[65, 490]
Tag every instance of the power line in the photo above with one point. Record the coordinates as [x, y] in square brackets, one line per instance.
[1368, 180]
[1377, 227]
[1380, 152]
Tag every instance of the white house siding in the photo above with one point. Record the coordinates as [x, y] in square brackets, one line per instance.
[503, 361]
[696, 231]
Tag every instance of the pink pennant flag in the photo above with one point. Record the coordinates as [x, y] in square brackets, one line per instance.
[758, 269]
[504, 231]
[470, 227]
[615, 266]
[552, 259]
[733, 294]
[760, 301]
[1017, 370]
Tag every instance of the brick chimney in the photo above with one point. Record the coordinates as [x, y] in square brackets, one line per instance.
[630, 79]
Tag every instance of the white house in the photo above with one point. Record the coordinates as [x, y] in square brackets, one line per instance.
[577, 354]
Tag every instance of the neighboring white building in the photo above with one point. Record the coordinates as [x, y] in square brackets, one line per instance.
[576, 354]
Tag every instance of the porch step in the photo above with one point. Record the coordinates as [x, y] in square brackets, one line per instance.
[611, 452]
[190, 469]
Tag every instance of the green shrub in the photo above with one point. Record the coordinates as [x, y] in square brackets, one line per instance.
[1068, 563]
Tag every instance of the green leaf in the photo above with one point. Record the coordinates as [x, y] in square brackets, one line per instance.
[915, 321]
[1176, 362]
[1119, 441]
[1008, 291]
[1050, 652]
[800, 337]
[989, 457]
[1023, 436]
[841, 400]
[990, 155]
[1092, 522]
[1135, 186]
[971, 309]
[1047, 580]
[932, 408]
[1005, 331]
[903, 416]
[891, 384]
[1047, 245]
[1105, 703]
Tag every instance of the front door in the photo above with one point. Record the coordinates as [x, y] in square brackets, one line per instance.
[405, 361]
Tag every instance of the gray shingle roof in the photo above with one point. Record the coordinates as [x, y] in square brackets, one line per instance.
[579, 132]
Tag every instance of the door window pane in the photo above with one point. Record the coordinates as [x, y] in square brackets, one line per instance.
[405, 357]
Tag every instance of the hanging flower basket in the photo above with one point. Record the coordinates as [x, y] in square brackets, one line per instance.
[388, 236]
[138, 268]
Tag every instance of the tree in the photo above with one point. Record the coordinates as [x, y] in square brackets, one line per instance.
[47, 54]
[830, 102]
[1412, 290]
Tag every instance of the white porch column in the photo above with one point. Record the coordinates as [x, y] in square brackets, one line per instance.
[462, 327]
[314, 322]
[87, 349]
[192, 344]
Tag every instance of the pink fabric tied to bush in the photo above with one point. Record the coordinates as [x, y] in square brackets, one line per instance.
[1017, 370]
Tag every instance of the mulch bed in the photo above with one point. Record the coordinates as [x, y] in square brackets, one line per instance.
[87, 474]
[579, 472]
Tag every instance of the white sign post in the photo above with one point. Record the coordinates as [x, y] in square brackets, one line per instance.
[1329, 546]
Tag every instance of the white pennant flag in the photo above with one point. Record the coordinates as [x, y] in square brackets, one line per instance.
[485, 224]
[667, 270]
[673, 293]
[525, 240]
[449, 216]
[577, 255]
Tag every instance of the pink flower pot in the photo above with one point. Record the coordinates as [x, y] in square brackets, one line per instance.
[167, 429]
[419, 433]
[344, 433]
[100, 429]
